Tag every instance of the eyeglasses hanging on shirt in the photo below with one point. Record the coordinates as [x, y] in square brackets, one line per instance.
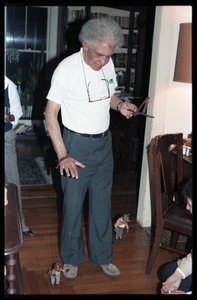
[88, 85]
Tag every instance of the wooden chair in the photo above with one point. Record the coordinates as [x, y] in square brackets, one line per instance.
[168, 209]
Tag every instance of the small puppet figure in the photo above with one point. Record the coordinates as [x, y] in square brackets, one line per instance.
[55, 274]
[119, 226]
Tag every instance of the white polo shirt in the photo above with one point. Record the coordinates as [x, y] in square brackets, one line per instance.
[69, 89]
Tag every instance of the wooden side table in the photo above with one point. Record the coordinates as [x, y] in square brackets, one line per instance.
[13, 242]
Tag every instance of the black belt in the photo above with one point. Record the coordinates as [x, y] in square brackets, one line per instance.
[99, 135]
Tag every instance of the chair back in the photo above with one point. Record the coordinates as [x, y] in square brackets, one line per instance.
[168, 210]
[166, 173]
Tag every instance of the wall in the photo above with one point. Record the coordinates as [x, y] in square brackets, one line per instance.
[171, 102]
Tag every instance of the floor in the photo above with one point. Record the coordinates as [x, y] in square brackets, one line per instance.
[39, 252]
[42, 206]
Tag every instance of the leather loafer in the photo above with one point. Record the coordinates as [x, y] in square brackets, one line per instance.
[28, 233]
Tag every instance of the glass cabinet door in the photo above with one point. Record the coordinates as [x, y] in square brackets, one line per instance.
[26, 42]
[26, 27]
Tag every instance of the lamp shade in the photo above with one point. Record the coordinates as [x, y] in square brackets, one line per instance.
[183, 70]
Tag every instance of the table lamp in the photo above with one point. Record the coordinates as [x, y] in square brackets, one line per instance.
[183, 71]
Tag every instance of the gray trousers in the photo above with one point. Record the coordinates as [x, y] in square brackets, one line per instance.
[96, 178]
[11, 167]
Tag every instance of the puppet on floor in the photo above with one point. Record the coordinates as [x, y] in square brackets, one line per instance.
[119, 226]
[55, 274]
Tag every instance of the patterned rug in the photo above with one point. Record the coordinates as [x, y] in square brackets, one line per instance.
[33, 171]
[166, 237]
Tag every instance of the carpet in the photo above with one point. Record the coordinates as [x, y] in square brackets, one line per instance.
[33, 171]
[166, 237]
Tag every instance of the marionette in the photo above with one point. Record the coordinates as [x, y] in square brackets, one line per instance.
[55, 274]
[119, 226]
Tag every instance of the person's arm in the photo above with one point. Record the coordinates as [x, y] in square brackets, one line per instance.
[172, 283]
[15, 104]
[185, 265]
[122, 106]
[66, 163]
[183, 270]
[51, 118]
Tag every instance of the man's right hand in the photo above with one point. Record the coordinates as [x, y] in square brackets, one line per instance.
[69, 166]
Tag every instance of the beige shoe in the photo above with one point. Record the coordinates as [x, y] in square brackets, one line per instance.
[70, 271]
[111, 270]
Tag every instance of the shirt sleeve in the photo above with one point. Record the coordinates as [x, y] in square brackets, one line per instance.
[185, 265]
[15, 104]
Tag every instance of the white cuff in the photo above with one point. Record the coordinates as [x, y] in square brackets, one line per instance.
[180, 271]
